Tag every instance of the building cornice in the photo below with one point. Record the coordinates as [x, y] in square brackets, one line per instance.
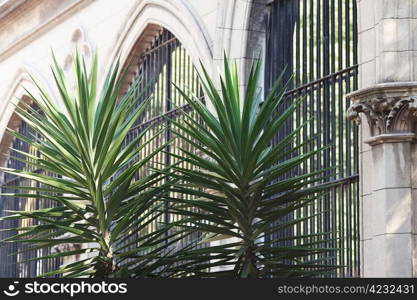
[6, 7]
[38, 30]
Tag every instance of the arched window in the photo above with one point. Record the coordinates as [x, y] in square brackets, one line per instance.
[17, 258]
[162, 65]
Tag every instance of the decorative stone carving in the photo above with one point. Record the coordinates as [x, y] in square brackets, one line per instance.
[78, 41]
[390, 110]
[390, 115]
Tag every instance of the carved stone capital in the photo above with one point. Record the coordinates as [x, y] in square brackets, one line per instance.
[390, 110]
[384, 115]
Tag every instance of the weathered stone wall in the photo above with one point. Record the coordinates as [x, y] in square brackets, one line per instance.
[386, 107]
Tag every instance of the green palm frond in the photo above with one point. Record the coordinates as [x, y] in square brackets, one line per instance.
[242, 195]
[98, 205]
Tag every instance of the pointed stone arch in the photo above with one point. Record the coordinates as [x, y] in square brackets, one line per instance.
[9, 118]
[176, 16]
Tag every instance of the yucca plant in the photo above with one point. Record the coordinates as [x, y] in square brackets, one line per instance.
[98, 205]
[242, 194]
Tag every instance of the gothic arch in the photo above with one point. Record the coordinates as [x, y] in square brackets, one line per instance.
[8, 116]
[177, 17]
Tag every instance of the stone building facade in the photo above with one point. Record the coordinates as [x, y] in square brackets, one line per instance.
[384, 106]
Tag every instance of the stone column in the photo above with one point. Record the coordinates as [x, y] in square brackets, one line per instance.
[388, 211]
[385, 106]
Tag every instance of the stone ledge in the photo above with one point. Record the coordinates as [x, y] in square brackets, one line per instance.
[14, 40]
[388, 89]
[7, 7]
[391, 138]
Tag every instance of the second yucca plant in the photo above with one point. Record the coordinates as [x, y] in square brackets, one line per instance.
[239, 184]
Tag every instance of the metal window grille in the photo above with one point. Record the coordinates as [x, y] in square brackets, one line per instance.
[163, 64]
[12, 264]
[316, 41]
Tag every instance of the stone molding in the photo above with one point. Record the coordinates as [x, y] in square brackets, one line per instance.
[149, 16]
[27, 37]
[8, 6]
[390, 110]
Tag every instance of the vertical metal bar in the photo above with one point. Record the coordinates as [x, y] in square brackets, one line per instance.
[356, 138]
[305, 107]
[348, 136]
[168, 108]
[326, 112]
[313, 220]
[335, 121]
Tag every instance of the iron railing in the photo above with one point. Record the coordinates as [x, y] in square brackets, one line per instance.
[315, 43]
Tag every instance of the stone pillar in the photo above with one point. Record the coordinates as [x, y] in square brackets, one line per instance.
[388, 214]
[385, 106]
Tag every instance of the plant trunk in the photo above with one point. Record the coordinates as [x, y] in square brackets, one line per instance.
[250, 268]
